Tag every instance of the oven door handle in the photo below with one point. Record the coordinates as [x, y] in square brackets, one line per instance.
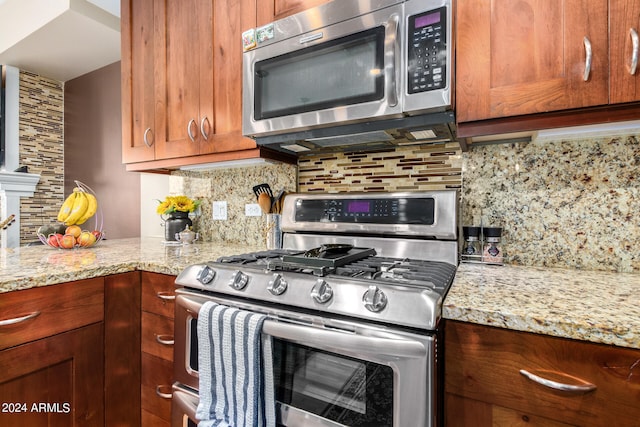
[185, 402]
[380, 348]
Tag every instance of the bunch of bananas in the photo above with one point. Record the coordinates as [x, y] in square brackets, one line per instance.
[78, 207]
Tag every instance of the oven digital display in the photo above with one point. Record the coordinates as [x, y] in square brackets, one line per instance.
[430, 19]
[359, 206]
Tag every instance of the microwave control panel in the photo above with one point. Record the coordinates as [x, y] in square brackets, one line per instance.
[427, 51]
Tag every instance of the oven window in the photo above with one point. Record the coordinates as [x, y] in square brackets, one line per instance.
[345, 71]
[348, 391]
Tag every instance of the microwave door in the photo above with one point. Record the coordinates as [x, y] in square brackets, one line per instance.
[344, 73]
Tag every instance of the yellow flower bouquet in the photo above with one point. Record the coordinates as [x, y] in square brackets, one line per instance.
[173, 204]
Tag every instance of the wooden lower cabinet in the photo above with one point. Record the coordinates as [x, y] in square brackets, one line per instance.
[484, 385]
[158, 301]
[51, 362]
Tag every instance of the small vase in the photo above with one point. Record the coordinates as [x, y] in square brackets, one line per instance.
[176, 223]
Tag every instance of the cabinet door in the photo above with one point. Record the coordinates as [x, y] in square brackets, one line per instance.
[485, 383]
[177, 59]
[624, 16]
[272, 10]
[55, 381]
[137, 63]
[524, 57]
[223, 71]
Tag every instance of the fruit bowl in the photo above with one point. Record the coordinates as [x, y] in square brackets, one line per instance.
[72, 231]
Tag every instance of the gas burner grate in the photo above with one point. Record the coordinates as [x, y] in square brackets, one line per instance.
[260, 256]
[435, 274]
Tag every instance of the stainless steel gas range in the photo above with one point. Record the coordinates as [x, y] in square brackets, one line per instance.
[353, 304]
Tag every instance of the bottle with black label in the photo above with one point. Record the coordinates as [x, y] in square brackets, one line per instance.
[471, 248]
[492, 252]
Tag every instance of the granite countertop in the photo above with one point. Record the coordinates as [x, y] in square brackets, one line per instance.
[593, 306]
[600, 307]
[28, 267]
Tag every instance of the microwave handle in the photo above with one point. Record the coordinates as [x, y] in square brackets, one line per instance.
[391, 52]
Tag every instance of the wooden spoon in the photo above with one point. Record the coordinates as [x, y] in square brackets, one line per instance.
[265, 202]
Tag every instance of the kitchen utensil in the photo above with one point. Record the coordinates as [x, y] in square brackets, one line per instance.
[276, 205]
[262, 188]
[264, 200]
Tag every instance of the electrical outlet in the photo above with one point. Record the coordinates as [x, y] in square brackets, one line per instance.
[220, 210]
[252, 209]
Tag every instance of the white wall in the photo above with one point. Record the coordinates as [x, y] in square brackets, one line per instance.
[153, 187]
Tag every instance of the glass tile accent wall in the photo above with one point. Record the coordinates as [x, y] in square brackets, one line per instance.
[414, 168]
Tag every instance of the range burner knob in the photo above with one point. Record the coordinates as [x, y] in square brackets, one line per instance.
[321, 291]
[277, 284]
[374, 299]
[239, 280]
[206, 275]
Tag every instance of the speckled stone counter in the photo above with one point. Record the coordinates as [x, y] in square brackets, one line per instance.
[27, 267]
[594, 306]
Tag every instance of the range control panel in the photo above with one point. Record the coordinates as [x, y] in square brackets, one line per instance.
[367, 210]
[427, 51]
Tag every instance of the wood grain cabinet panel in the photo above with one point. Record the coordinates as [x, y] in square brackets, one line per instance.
[158, 294]
[182, 79]
[624, 18]
[139, 132]
[61, 375]
[157, 349]
[524, 57]
[272, 10]
[36, 313]
[484, 385]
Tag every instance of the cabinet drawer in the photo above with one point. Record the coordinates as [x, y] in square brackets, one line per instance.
[157, 377]
[37, 313]
[158, 294]
[485, 363]
[157, 335]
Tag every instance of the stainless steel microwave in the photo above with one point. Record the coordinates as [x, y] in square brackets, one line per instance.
[351, 74]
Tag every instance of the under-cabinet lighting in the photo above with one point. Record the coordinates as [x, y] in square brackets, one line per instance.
[228, 164]
[604, 129]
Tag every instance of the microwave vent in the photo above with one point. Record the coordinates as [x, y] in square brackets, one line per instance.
[353, 139]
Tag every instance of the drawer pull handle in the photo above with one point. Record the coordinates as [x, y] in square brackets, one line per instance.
[165, 339]
[588, 58]
[166, 296]
[583, 388]
[19, 319]
[635, 42]
[161, 393]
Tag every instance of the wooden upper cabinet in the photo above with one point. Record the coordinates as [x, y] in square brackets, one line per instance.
[183, 55]
[524, 57]
[137, 64]
[182, 78]
[624, 18]
[272, 10]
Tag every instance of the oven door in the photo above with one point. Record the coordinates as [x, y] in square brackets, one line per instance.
[345, 72]
[329, 372]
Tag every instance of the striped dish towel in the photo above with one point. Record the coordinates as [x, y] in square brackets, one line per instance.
[235, 368]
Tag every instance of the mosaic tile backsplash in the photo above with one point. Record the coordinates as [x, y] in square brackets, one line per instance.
[421, 167]
[562, 203]
[41, 121]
